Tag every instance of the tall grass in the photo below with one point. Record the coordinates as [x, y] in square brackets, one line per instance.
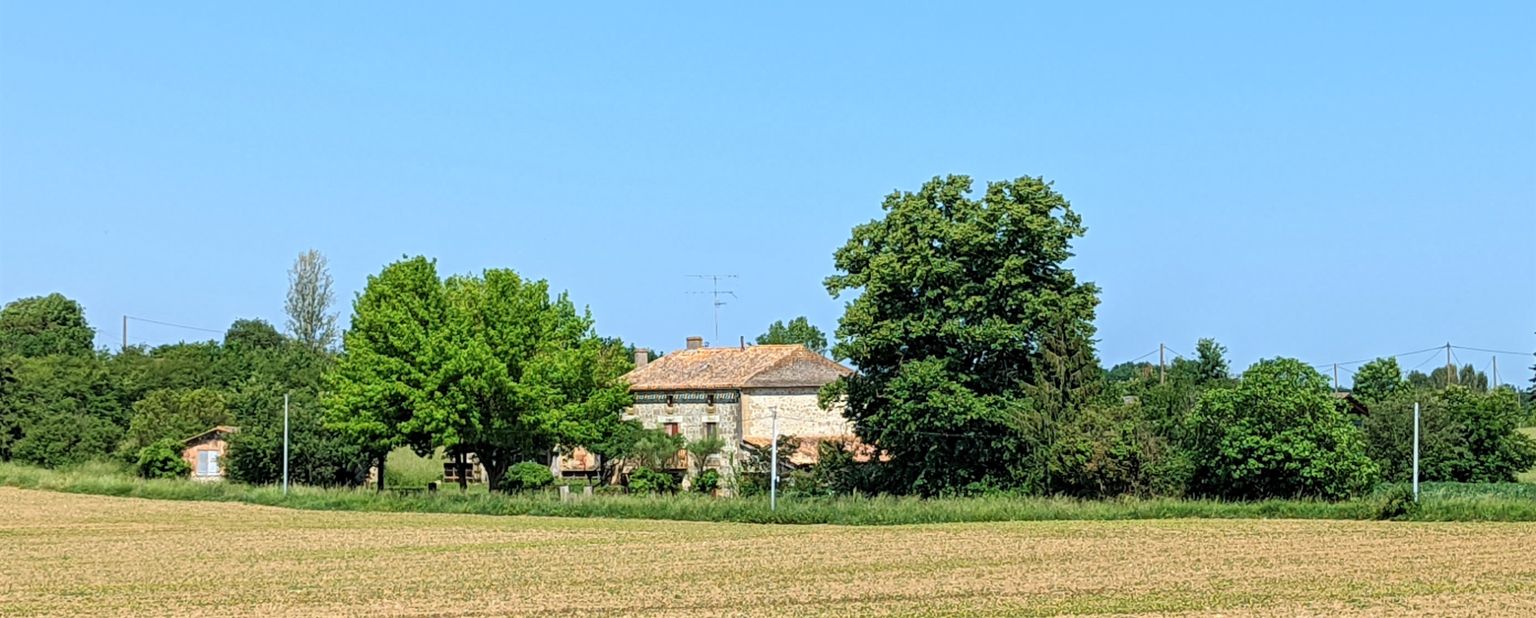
[404, 468]
[1441, 502]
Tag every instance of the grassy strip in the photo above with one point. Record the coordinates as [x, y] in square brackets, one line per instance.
[1442, 502]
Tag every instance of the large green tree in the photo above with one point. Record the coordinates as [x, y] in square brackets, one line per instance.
[384, 375]
[44, 325]
[1279, 432]
[492, 365]
[174, 414]
[799, 330]
[953, 294]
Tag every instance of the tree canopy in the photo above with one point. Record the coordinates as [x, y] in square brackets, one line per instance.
[953, 295]
[799, 330]
[44, 325]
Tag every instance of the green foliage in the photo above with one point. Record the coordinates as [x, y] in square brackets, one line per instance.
[44, 326]
[1465, 436]
[1113, 451]
[174, 414]
[65, 438]
[646, 480]
[60, 409]
[954, 295]
[707, 481]
[527, 476]
[491, 365]
[162, 460]
[408, 469]
[1378, 381]
[653, 448]
[252, 335]
[799, 330]
[700, 450]
[1279, 432]
[1465, 376]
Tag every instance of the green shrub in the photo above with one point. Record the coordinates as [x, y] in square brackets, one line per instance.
[162, 460]
[1397, 502]
[1279, 433]
[648, 481]
[707, 481]
[1465, 436]
[527, 476]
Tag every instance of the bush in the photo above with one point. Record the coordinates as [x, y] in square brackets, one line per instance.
[707, 481]
[1279, 432]
[527, 476]
[1464, 436]
[648, 481]
[162, 460]
[1107, 452]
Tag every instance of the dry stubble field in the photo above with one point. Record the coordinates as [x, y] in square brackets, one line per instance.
[63, 554]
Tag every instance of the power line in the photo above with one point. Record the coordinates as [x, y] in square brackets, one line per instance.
[206, 330]
[1462, 347]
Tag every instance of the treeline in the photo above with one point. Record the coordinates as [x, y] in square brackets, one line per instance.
[973, 341]
[62, 402]
[977, 374]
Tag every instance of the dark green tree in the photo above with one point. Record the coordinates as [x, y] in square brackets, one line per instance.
[250, 335]
[1378, 380]
[44, 325]
[59, 409]
[174, 414]
[953, 298]
[1279, 432]
[799, 330]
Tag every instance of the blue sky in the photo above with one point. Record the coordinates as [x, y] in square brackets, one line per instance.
[1309, 180]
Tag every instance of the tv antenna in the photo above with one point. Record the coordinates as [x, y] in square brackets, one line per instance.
[715, 292]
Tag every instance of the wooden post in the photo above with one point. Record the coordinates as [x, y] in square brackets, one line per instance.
[1162, 374]
[1335, 377]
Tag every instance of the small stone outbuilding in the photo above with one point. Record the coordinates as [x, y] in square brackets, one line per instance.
[204, 453]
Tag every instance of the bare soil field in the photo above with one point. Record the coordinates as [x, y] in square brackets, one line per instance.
[64, 554]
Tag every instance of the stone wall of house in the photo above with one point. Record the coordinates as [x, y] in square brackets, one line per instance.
[799, 413]
[691, 410]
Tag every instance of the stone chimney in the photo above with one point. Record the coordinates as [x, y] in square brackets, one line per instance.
[695, 343]
[642, 357]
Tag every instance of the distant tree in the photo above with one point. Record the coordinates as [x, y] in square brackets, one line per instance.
[954, 296]
[310, 319]
[1279, 432]
[702, 449]
[252, 334]
[1465, 376]
[59, 409]
[1378, 380]
[44, 325]
[174, 414]
[1210, 362]
[799, 330]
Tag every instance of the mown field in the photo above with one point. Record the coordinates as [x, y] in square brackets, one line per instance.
[67, 554]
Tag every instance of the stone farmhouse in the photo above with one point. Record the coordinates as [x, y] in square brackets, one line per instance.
[735, 393]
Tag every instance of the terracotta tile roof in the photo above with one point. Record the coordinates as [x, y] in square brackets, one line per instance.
[756, 366]
[224, 429]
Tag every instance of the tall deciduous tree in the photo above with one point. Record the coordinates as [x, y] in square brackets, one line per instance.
[44, 325]
[384, 376]
[799, 330]
[954, 295]
[310, 319]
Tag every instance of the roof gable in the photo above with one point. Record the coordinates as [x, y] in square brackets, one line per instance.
[721, 368]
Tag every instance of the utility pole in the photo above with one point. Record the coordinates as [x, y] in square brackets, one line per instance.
[773, 475]
[1335, 377]
[1450, 369]
[1495, 374]
[125, 333]
[715, 293]
[285, 444]
[1162, 374]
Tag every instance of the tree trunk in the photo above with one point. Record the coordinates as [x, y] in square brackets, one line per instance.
[380, 481]
[462, 465]
[495, 468]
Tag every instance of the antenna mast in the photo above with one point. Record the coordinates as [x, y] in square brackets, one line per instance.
[715, 292]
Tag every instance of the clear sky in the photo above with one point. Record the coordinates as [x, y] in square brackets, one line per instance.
[1330, 181]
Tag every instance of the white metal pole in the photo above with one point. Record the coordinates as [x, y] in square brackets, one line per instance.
[773, 474]
[285, 444]
[1415, 452]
